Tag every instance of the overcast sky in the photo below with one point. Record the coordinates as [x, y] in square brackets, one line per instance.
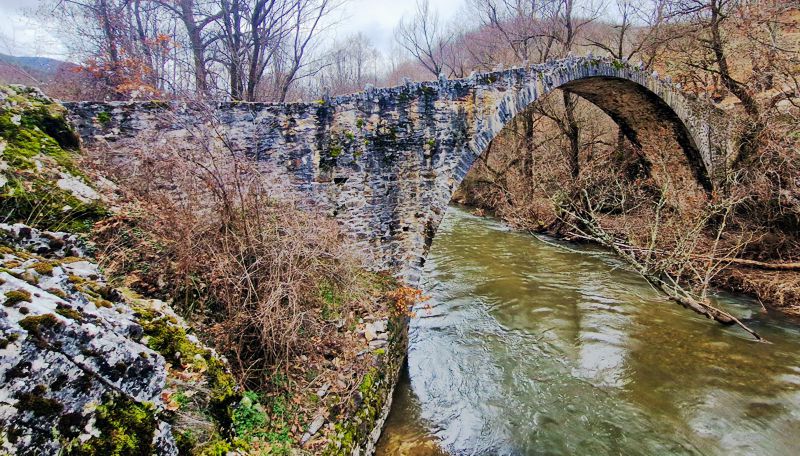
[20, 35]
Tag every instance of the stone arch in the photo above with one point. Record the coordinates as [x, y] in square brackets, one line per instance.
[639, 103]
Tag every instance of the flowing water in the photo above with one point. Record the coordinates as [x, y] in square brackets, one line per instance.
[531, 347]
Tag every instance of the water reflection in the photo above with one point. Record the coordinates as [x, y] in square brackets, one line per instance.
[529, 348]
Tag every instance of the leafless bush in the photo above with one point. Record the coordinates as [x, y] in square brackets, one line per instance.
[267, 277]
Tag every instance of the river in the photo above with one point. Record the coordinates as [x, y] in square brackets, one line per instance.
[528, 347]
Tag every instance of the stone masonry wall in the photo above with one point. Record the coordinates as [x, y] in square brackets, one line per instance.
[385, 162]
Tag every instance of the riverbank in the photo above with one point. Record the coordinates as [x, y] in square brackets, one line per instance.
[116, 334]
[763, 278]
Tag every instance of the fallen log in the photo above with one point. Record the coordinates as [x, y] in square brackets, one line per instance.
[790, 266]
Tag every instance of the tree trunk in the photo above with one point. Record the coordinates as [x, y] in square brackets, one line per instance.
[750, 137]
[198, 49]
[113, 53]
[573, 135]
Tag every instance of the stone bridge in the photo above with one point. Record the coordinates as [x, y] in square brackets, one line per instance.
[385, 162]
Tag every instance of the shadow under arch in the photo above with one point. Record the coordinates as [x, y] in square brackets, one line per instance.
[639, 113]
[643, 115]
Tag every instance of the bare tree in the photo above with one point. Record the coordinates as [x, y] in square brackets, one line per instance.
[522, 26]
[706, 23]
[122, 43]
[567, 27]
[635, 31]
[196, 17]
[263, 35]
[348, 66]
[424, 38]
[251, 33]
[305, 25]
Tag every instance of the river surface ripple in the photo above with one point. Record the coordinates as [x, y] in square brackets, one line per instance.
[526, 347]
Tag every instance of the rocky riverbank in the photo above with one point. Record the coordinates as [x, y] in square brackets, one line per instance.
[90, 366]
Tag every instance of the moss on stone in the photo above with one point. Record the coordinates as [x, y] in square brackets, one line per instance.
[35, 324]
[375, 387]
[39, 202]
[103, 118]
[126, 429]
[101, 290]
[69, 312]
[170, 340]
[30, 278]
[43, 268]
[217, 447]
[9, 339]
[351, 433]
[57, 292]
[39, 144]
[16, 296]
[103, 303]
[71, 259]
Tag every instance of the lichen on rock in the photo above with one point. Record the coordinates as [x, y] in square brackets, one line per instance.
[67, 363]
[76, 377]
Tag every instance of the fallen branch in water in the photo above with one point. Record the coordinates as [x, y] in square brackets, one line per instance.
[588, 228]
[729, 260]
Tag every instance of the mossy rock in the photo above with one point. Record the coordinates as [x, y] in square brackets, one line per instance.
[14, 297]
[36, 402]
[126, 429]
[34, 324]
[168, 337]
[39, 147]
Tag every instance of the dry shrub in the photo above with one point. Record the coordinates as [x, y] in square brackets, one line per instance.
[199, 226]
[771, 180]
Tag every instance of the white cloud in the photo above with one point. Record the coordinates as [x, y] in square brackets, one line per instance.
[22, 34]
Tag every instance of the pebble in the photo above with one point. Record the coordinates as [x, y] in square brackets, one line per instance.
[378, 343]
[369, 332]
[312, 429]
[323, 390]
[380, 326]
